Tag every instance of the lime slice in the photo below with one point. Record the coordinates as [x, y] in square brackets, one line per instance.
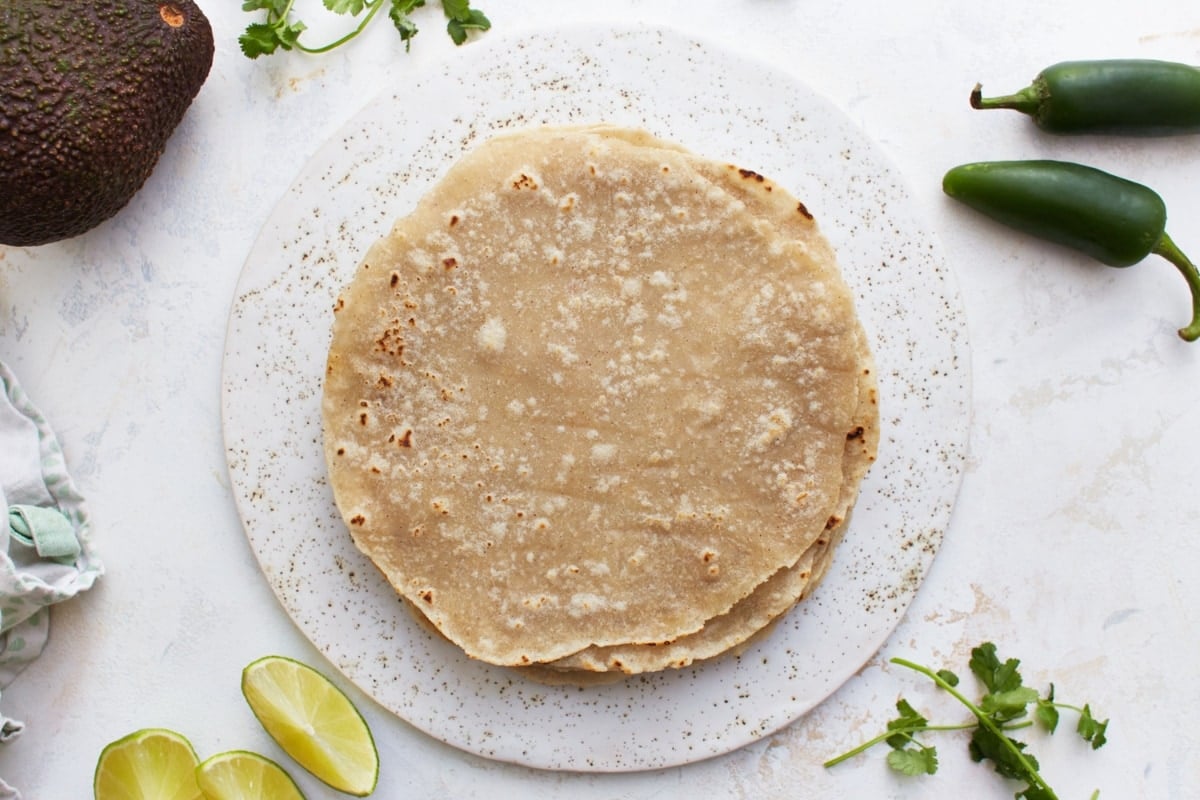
[150, 764]
[241, 775]
[314, 722]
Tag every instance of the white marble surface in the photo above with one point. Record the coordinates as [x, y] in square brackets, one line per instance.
[1071, 545]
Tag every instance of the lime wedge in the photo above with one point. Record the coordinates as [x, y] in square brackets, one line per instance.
[150, 764]
[314, 722]
[241, 775]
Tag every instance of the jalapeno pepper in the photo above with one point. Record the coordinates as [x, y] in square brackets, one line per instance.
[1113, 220]
[1127, 96]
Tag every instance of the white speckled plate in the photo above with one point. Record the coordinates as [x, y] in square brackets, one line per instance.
[717, 104]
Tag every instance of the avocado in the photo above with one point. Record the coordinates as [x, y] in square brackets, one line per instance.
[89, 94]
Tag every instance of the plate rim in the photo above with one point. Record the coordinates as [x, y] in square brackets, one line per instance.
[961, 350]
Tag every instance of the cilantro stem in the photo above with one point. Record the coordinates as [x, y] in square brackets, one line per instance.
[909, 731]
[1067, 706]
[282, 31]
[372, 8]
[985, 721]
[883, 737]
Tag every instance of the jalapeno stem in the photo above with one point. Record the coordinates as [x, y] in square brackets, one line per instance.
[1167, 249]
[1026, 101]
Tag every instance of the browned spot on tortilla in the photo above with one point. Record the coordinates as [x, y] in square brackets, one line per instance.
[525, 182]
[803, 210]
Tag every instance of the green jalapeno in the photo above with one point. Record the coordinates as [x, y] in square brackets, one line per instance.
[1127, 96]
[1113, 220]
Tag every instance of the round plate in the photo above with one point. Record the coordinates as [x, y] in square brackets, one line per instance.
[372, 172]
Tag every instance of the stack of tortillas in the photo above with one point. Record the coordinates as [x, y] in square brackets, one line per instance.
[599, 406]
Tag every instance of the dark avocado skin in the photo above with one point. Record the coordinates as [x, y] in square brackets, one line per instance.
[89, 94]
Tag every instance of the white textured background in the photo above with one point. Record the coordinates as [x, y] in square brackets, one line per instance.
[1073, 544]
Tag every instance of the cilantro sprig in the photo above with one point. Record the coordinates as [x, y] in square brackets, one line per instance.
[282, 29]
[1004, 707]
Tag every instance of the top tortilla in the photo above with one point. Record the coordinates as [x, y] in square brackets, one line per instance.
[582, 396]
[784, 589]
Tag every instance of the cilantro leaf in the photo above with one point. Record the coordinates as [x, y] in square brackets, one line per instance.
[457, 9]
[1047, 712]
[1091, 730]
[908, 722]
[996, 676]
[351, 7]
[289, 34]
[458, 26]
[915, 761]
[1003, 751]
[1047, 715]
[281, 30]
[399, 15]
[1008, 705]
[909, 716]
[262, 39]
[948, 676]
[984, 662]
[1003, 708]
[1035, 793]
[259, 39]
[276, 8]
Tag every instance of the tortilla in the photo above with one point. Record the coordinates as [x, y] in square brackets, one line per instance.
[587, 396]
[769, 600]
[779, 593]
[784, 589]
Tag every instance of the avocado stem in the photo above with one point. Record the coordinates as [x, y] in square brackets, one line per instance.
[1026, 101]
[1168, 250]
